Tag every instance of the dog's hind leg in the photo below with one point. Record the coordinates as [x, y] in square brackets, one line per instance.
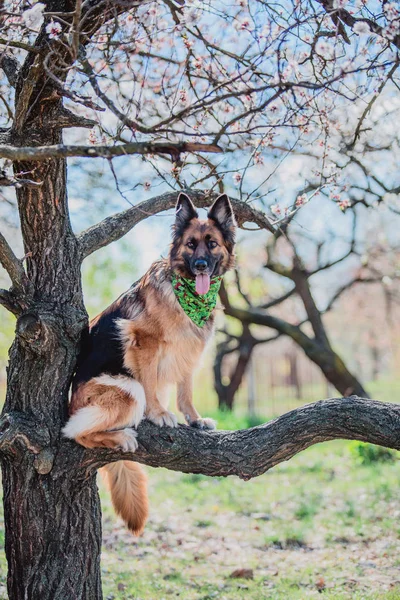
[103, 412]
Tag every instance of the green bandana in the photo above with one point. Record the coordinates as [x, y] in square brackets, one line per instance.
[197, 307]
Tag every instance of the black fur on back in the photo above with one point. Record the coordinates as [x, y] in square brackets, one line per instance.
[101, 347]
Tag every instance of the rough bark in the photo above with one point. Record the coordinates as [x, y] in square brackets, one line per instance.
[46, 533]
[246, 453]
[41, 153]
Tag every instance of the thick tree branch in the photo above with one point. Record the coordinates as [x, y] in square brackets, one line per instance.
[12, 265]
[9, 302]
[114, 227]
[39, 153]
[259, 317]
[251, 452]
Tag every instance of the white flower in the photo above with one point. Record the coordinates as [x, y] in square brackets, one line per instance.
[92, 137]
[237, 178]
[391, 10]
[53, 29]
[345, 203]
[33, 17]
[276, 209]
[183, 96]
[361, 28]
[300, 200]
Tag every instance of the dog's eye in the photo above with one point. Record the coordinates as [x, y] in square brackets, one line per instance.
[190, 245]
[212, 244]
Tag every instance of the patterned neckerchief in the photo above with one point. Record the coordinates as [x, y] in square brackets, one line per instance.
[198, 307]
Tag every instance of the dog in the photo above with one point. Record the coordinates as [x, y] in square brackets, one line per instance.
[150, 337]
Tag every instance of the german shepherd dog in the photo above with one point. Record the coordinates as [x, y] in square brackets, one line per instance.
[146, 341]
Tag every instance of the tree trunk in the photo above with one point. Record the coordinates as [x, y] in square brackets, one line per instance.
[226, 393]
[52, 514]
[226, 398]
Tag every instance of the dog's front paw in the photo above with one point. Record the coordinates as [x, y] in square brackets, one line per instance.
[204, 424]
[128, 440]
[162, 418]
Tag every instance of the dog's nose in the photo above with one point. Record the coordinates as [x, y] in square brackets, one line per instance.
[200, 264]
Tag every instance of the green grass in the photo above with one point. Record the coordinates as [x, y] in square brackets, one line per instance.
[321, 525]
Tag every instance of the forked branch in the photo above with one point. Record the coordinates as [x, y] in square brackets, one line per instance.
[12, 265]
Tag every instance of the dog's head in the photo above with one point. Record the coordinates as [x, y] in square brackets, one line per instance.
[203, 249]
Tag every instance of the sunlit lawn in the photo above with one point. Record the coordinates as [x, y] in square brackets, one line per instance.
[321, 525]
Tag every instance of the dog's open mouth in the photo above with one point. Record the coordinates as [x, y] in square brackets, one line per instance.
[202, 283]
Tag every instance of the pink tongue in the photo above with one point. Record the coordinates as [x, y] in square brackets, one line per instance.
[202, 283]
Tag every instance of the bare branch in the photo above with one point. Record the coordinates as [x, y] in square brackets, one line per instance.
[11, 181]
[39, 153]
[279, 300]
[251, 452]
[259, 317]
[114, 227]
[66, 118]
[20, 45]
[370, 105]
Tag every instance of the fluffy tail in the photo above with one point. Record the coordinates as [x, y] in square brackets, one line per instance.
[128, 485]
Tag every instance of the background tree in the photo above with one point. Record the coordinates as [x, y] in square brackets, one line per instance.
[298, 259]
[169, 83]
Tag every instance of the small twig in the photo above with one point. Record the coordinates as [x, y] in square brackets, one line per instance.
[75, 28]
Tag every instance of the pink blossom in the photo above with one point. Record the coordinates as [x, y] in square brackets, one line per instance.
[276, 210]
[183, 96]
[198, 63]
[345, 203]
[147, 185]
[245, 25]
[339, 3]
[301, 200]
[258, 158]
[237, 178]
[53, 29]
[92, 137]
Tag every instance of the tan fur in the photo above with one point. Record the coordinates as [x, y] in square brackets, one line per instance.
[127, 483]
[117, 407]
[200, 230]
[160, 346]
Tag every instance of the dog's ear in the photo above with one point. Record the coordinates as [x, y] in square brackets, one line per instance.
[185, 211]
[222, 213]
